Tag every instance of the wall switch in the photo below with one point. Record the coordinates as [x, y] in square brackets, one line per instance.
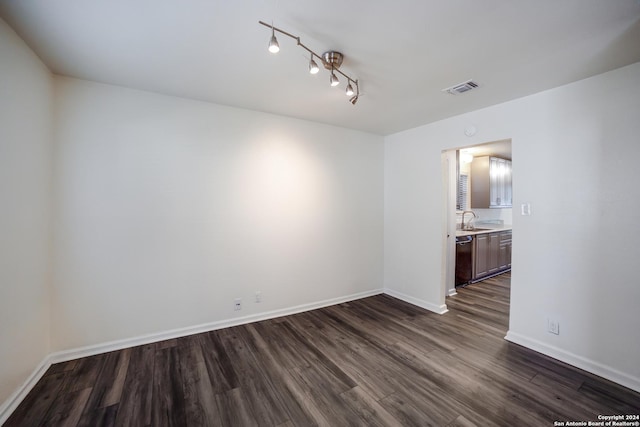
[237, 304]
[525, 209]
[258, 296]
[553, 326]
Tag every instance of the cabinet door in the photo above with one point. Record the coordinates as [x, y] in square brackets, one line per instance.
[495, 182]
[504, 255]
[494, 249]
[508, 197]
[482, 255]
[480, 183]
[500, 183]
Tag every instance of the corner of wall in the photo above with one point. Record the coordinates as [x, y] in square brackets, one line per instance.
[26, 246]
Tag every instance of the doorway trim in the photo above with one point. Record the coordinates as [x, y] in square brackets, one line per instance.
[449, 178]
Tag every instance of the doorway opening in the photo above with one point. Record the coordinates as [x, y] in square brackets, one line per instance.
[477, 212]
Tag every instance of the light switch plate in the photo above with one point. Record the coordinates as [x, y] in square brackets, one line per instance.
[525, 209]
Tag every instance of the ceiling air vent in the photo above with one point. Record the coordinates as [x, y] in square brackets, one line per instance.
[462, 87]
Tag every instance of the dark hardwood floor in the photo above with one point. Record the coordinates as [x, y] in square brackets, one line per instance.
[372, 362]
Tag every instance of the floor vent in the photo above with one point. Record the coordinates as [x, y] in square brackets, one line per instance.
[462, 87]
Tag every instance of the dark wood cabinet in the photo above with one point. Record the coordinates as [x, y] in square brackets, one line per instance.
[492, 253]
[490, 183]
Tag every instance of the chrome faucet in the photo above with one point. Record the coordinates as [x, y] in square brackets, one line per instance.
[465, 212]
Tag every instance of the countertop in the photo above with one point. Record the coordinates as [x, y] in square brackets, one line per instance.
[486, 228]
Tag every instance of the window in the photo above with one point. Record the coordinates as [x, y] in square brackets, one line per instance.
[462, 195]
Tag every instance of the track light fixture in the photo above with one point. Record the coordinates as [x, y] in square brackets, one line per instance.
[349, 90]
[354, 98]
[313, 66]
[331, 60]
[334, 79]
[274, 47]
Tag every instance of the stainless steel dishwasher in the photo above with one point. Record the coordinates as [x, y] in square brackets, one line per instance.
[464, 260]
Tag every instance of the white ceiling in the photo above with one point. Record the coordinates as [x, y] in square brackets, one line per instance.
[403, 51]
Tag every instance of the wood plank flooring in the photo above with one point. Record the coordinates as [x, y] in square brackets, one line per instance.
[372, 362]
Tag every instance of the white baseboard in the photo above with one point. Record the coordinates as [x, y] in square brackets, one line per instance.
[10, 405]
[578, 361]
[440, 309]
[66, 355]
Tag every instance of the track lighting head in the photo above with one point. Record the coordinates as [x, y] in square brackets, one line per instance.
[334, 80]
[274, 47]
[349, 90]
[313, 67]
[331, 60]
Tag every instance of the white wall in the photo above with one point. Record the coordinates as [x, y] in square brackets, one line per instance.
[167, 209]
[574, 259]
[25, 172]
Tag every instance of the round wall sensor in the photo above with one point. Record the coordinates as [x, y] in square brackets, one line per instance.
[470, 130]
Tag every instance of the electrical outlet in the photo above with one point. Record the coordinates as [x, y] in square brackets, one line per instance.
[237, 304]
[258, 296]
[553, 326]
